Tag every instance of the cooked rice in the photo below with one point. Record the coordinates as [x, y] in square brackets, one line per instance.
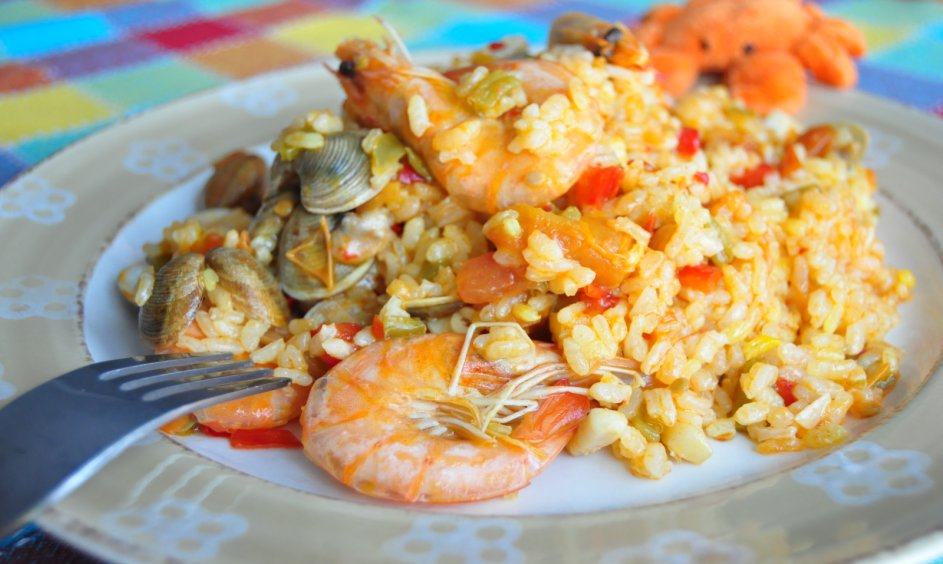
[801, 307]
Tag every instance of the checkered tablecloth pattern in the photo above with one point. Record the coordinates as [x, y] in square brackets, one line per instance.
[70, 67]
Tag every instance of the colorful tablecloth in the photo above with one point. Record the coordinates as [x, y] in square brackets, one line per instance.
[71, 67]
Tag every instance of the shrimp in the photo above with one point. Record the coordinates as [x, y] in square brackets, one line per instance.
[475, 157]
[384, 422]
[260, 411]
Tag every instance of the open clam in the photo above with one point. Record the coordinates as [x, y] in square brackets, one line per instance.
[306, 268]
[174, 300]
[332, 179]
[253, 288]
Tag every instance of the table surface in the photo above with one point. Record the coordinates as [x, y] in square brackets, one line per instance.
[71, 67]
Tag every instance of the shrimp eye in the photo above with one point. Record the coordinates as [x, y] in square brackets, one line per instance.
[705, 44]
[347, 68]
[748, 48]
[613, 35]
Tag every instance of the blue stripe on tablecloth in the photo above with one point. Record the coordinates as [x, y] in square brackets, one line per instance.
[41, 37]
[149, 15]
[920, 92]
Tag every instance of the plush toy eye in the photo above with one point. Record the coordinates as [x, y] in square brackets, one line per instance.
[748, 48]
[705, 44]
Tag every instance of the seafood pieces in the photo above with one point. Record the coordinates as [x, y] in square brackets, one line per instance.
[501, 136]
[180, 285]
[386, 423]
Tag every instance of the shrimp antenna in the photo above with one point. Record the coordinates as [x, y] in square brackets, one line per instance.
[469, 334]
[395, 38]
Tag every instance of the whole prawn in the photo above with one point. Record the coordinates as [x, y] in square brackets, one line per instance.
[380, 82]
[372, 423]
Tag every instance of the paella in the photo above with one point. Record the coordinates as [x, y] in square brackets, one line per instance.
[467, 270]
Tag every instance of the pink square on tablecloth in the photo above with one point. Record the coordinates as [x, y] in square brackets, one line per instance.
[192, 35]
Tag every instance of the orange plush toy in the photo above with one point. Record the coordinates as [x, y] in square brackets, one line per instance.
[761, 46]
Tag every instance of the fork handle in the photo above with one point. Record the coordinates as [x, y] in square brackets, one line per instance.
[42, 463]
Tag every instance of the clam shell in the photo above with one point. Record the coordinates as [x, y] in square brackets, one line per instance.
[282, 176]
[336, 177]
[174, 300]
[303, 240]
[239, 179]
[253, 288]
[433, 307]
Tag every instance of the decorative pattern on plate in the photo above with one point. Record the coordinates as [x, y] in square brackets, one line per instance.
[182, 527]
[35, 199]
[6, 389]
[881, 147]
[167, 160]
[865, 472]
[259, 98]
[433, 539]
[37, 296]
[679, 546]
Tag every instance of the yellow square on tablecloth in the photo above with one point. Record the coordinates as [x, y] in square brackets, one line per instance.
[47, 110]
[881, 36]
[322, 32]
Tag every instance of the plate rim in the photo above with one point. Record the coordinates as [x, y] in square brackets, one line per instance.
[48, 523]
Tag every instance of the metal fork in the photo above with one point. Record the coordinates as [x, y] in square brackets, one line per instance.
[55, 436]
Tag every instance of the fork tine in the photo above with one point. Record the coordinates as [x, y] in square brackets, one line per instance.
[205, 382]
[160, 376]
[136, 364]
[198, 398]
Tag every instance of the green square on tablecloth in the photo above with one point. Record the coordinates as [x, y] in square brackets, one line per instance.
[19, 11]
[152, 83]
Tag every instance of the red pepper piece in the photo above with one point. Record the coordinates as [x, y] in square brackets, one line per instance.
[263, 438]
[211, 432]
[785, 388]
[597, 298]
[377, 328]
[689, 142]
[701, 277]
[408, 175]
[596, 186]
[753, 177]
